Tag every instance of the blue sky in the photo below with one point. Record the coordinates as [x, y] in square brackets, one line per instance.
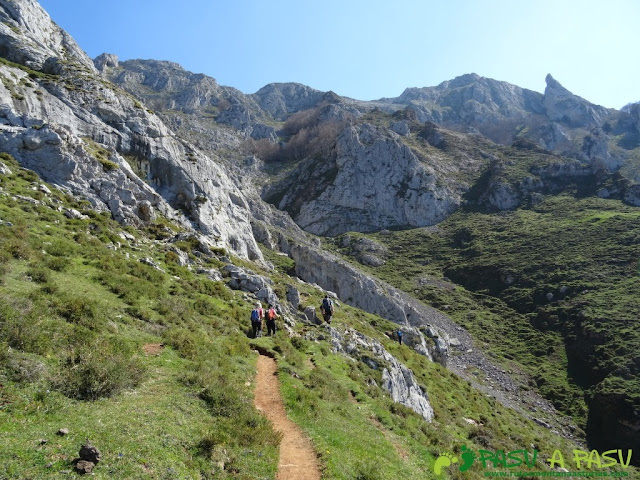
[368, 49]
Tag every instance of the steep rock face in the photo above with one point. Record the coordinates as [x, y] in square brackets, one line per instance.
[106, 60]
[64, 159]
[634, 111]
[80, 108]
[29, 37]
[613, 418]
[379, 182]
[361, 291]
[563, 106]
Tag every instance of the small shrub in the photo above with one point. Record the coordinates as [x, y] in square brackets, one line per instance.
[108, 165]
[23, 368]
[174, 309]
[171, 258]
[101, 368]
[18, 249]
[49, 288]
[184, 341]
[223, 400]
[60, 248]
[368, 471]
[299, 343]
[39, 274]
[22, 330]
[5, 257]
[325, 386]
[206, 307]
[78, 310]
[56, 263]
[28, 175]
[251, 428]
[8, 158]
[146, 272]
[141, 313]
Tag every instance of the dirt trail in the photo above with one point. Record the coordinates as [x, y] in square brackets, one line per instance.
[297, 456]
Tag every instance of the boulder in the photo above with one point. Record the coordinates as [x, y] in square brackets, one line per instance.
[89, 453]
[397, 379]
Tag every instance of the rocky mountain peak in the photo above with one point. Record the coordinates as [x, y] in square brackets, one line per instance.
[461, 81]
[563, 106]
[282, 99]
[29, 37]
[556, 90]
[105, 60]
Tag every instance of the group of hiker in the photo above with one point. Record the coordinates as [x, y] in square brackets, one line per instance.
[258, 315]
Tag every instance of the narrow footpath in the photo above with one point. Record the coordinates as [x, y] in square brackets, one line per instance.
[297, 456]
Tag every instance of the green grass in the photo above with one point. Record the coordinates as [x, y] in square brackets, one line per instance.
[553, 288]
[101, 154]
[75, 317]
[360, 433]
[71, 338]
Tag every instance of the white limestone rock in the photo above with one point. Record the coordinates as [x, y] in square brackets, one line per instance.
[397, 378]
[379, 183]
[564, 107]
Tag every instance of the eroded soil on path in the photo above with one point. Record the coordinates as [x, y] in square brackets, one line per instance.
[298, 459]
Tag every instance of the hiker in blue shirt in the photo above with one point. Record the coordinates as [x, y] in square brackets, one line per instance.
[326, 308]
[256, 320]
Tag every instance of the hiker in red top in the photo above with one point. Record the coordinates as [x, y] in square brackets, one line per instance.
[271, 320]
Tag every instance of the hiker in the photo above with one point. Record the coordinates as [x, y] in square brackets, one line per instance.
[256, 320]
[326, 308]
[271, 320]
[399, 334]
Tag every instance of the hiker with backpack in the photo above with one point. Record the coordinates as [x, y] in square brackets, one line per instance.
[256, 320]
[271, 320]
[326, 308]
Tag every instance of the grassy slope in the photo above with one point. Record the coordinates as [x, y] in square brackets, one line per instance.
[75, 314]
[583, 252]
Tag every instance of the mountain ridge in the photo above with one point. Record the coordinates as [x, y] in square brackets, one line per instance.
[161, 140]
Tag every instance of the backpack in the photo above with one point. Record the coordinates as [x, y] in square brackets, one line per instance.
[271, 314]
[255, 315]
[327, 306]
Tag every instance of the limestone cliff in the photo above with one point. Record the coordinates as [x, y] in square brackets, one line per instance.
[85, 134]
[379, 183]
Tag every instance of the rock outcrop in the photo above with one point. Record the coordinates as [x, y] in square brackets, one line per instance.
[29, 37]
[283, 99]
[379, 183]
[563, 106]
[248, 281]
[397, 379]
[471, 99]
[374, 296]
